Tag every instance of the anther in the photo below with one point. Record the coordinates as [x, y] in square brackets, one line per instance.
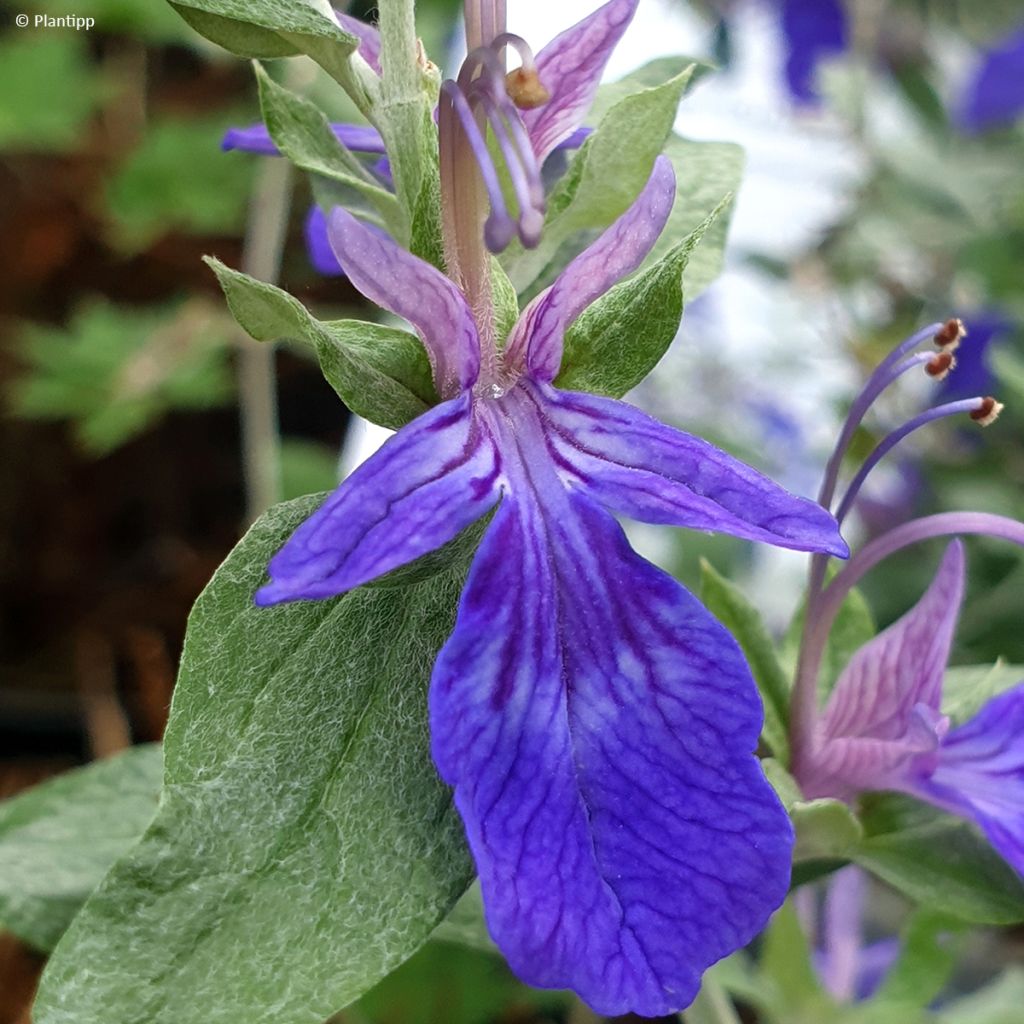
[525, 89]
[940, 365]
[950, 334]
[987, 412]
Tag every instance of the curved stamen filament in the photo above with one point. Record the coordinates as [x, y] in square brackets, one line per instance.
[887, 371]
[967, 405]
[530, 221]
[499, 227]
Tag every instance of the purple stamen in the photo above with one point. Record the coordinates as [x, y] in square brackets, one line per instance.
[499, 227]
[481, 84]
[968, 405]
[531, 219]
[887, 371]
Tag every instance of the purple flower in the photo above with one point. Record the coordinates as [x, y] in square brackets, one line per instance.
[596, 722]
[995, 94]
[883, 727]
[568, 71]
[813, 29]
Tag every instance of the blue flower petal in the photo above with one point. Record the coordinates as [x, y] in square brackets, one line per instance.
[598, 725]
[641, 468]
[431, 480]
[813, 29]
[980, 774]
[995, 95]
[318, 246]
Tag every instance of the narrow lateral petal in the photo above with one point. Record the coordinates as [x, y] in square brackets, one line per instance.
[536, 339]
[368, 36]
[256, 139]
[883, 719]
[409, 287]
[980, 774]
[570, 68]
[598, 726]
[433, 478]
[641, 468]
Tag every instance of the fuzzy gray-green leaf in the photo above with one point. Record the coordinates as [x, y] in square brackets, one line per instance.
[303, 134]
[381, 373]
[304, 845]
[605, 176]
[619, 338]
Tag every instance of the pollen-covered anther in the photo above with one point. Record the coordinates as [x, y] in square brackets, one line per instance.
[950, 334]
[940, 365]
[987, 412]
[525, 88]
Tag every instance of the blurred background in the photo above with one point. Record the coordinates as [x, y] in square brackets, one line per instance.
[884, 189]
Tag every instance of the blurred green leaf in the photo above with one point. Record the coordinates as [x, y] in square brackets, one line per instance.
[929, 947]
[729, 605]
[47, 90]
[178, 180]
[853, 627]
[58, 840]
[453, 985]
[966, 688]
[381, 373]
[307, 467]
[304, 845]
[466, 925]
[786, 965]
[999, 1002]
[115, 370]
[938, 861]
[140, 19]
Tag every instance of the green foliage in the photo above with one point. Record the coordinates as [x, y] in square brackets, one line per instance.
[304, 846]
[999, 1002]
[116, 370]
[967, 688]
[47, 91]
[456, 986]
[154, 22]
[729, 605]
[59, 839]
[853, 627]
[381, 373]
[707, 175]
[304, 136]
[927, 957]
[938, 861]
[282, 28]
[619, 338]
[307, 467]
[787, 968]
[605, 176]
[178, 180]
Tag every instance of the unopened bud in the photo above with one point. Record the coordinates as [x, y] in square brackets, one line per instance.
[525, 89]
[988, 412]
[950, 334]
[940, 364]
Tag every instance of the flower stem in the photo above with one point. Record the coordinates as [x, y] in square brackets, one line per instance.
[257, 393]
